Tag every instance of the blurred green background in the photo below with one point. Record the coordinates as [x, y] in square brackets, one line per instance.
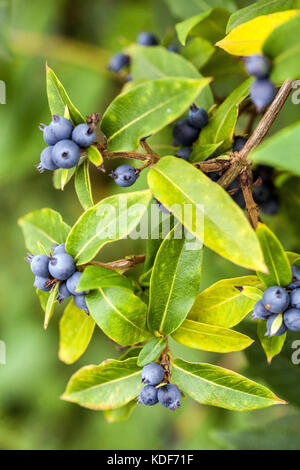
[77, 38]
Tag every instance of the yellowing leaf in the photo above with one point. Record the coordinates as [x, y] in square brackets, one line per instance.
[248, 38]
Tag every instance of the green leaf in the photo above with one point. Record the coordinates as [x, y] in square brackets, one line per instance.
[134, 351]
[277, 262]
[213, 385]
[111, 219]
[110, 385]
[94, 277]
[50, 306]
[248, 38]
[75, 333]
[221, 127]
[43, 226]
[156, 62]
[294, 258]
[202, 151]
[213, 27]
[198, 51]
[283, 47]
[94, 156]
[262, 7]
[43, 298]
[226, 229]
[58, 98]
[272, 345]
[210, 338]
[175, 282]
[120, 414]
[83, 186]
[224, 303]
[119, 313]
[61, 177]
[151, 351]
[184, 9]
[146, 109]
[280, 150]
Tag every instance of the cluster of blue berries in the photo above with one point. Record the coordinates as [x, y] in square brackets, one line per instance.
[58, 267]
[64, 143]
[167, 395]
[186, 130]
[262, 90]
[278, 300]
[121, 61]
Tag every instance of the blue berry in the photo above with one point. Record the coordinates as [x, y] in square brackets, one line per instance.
[258, 65]
[262, 93]
[295, 298]
[169, 396]
[152, 374]
[259, 311]
[40, 283]
[63, 292]
[198, 117]
[293, 285]
[125, 175]
[184, 153]
[59, 249]
[148, 396]
[73, 282]
[296, 272]
[183, 133]
[276, 299]
[238, 143]
[118, 62]
[83, 136]
[147, 39]
[46, 162]
[291, 319]
[39, 265]
[172, 48]
[80, 302]
[62, 266]
[66, 154]
[60, 128]
[281, 330]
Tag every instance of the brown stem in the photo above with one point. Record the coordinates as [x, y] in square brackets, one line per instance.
[92, 120]
[212, 165]
[121, 264]
[133, 155]
[240, 160]
[251, 206]
[165, 362]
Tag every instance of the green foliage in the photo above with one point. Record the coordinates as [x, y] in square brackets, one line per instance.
[83, 186]
[272, 345]
[211, 24]
[151, 351]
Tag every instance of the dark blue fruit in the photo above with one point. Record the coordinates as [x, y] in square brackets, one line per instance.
[184, 153]
[262, 93]
[66, 154]
[63, 292]
[291, 319]
[59, 249]
[148, 396]
[296, 272]
[238, 143]
[198, 117]
[80, 302]
[281, 330]
[183, 133]
[46, 161]
[60, 128]
[258, 65]
[62, 266]
[73, 282]
[276, 299]
[152, 374]
[118, 62]
[125, 175]
[295, 298]
[169, 396]
[293, 285]
[39, 265]
[259, 311]
[147, 39]
[83, 135]
[40, 283]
